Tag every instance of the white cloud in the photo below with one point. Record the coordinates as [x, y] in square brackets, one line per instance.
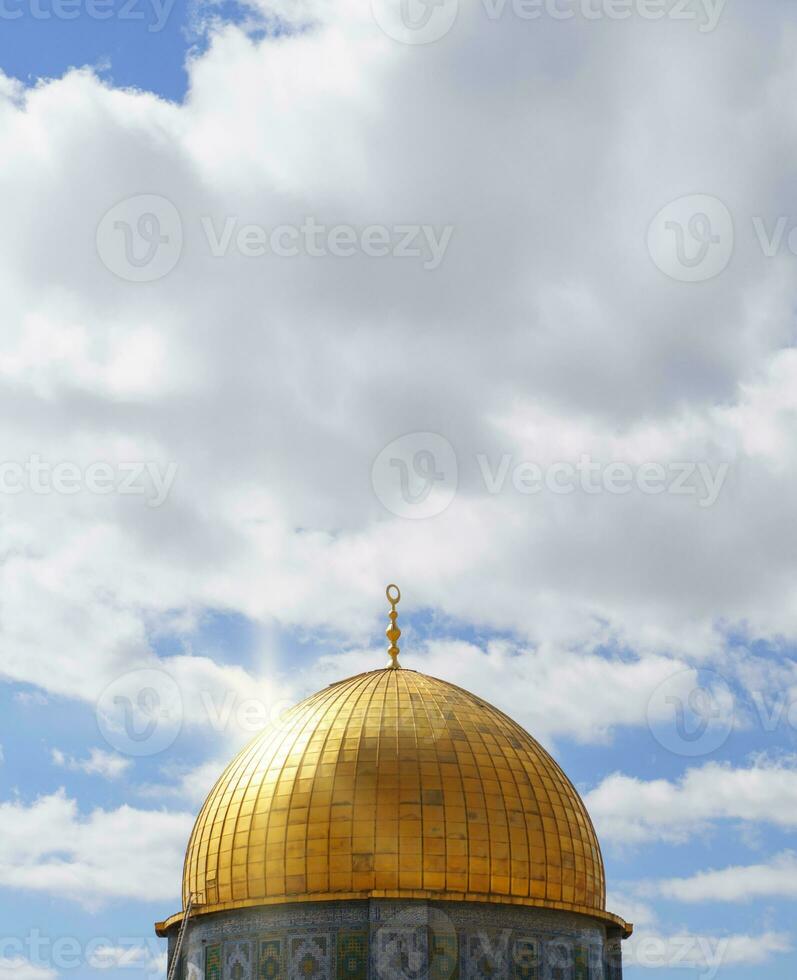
[632, 811]
[630, 907]
[99, 763]
[552, 692]
[709, 954]
[776, 879]
[191, 785]
[586, 348]
[48, 846]
[18, 968]
[654, 946]
[29, 698]
[141, 958]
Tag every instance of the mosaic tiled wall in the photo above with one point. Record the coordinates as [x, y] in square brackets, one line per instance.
[238, 960]
[525, 960]
[213, 962]
[614, 960]
[352, 954]
[382, 940]
[271, 960]
[309, 957]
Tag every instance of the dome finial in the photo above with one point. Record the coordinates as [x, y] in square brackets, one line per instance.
[393, 594]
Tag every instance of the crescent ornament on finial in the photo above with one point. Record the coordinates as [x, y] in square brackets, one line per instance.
[393, 633]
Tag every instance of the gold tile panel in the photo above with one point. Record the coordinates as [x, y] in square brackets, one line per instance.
[394, 784]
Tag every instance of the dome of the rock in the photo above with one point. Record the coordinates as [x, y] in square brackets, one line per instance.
[390, 792]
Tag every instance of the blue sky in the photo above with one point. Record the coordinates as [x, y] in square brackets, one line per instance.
[141, 45]
[324, 421]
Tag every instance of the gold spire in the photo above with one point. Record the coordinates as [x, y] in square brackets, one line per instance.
[393, 594]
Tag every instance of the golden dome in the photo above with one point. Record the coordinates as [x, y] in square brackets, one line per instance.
[393, 784]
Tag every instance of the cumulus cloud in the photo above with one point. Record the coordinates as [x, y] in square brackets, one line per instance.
[710, 954]
[775, 879]
[18, 968]
[143, 958]
[192, 784]
[633, 811]
[49, 846]
[31, 698]
[546, 333]
[99, 763]
[654, 946]
[553, 693]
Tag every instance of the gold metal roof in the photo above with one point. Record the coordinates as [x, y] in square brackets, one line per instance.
[393, 784]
